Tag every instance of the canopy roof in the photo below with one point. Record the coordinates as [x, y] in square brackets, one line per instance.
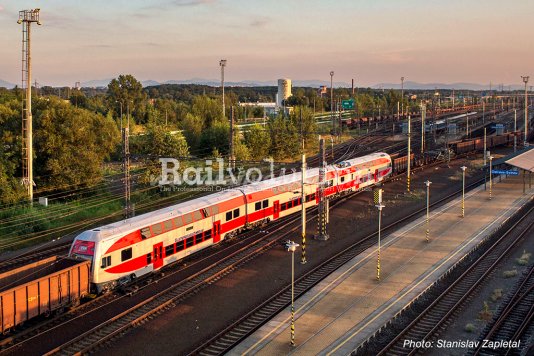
[524, 161]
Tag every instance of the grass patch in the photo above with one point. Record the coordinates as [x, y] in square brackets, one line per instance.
[509, 274]
[485, 314]
[469, 327]
[524, 259]
[496, 295]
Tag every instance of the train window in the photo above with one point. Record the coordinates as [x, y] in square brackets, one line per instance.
[265, 203]
[145, 233]
[228, 215]
[190, 228]
[197, 215]
[177, 221]
[148, 258]
[207, 234]
[283, 207]
[179, 246]
[257, 206]
[169, 250]
[342, 179]
[157, 229]
[329, 183]
[198, 238]
[126, 254]
[106, 261]
[313, 196]
[214, 210]
[205, 212]
[168, 225]
[236, 213]
[188, 219]
[190, 241]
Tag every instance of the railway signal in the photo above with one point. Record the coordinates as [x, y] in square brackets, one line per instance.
[379, 207]
[463, 190]
[490, 179]
[292, 247]
[427, 183]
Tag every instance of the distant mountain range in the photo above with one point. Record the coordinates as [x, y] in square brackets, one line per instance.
[102, 83]
[8, 85]
[456, 86]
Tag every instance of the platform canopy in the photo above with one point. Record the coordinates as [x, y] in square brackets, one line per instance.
[523, 161]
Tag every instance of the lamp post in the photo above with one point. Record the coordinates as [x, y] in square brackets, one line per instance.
[332, 101]
[332, 147]
[222, 63]
[408, 162]
[292, 247]
[463, 190]
[490, 174]
[515, 130]
[525, 80]
[427, 183]
[379, 207]
[402, 97]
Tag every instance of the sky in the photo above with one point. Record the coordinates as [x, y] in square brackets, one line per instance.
[372, 41]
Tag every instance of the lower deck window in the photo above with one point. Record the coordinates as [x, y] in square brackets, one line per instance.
[169, 250]
[106, 261]
[180, 246]
[126, 254]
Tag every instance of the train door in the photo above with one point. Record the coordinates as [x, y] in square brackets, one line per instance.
[216, 231]
[276, 209]
[376, 175]
[158, 255]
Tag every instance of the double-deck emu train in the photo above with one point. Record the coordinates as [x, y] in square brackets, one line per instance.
[134, 247]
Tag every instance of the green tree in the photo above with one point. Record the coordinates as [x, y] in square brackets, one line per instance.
[210, 110]
[162, 143]
[258, 141]
[71, 143]
[192, 126]
[215, 137]
[128, 91]
[285, 140]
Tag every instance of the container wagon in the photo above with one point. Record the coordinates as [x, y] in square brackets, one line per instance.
[41, 288]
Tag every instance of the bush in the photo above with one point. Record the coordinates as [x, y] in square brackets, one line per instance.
[509, 274]
[524, 259]
[497, 294]
[469, 327]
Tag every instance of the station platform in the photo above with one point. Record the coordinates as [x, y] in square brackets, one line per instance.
[350, 305]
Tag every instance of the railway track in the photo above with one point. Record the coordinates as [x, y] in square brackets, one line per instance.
[226, 339]
[34, 255]
[435, 317]
[513, 321]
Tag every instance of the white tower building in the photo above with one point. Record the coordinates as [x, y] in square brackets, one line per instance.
[284, 91]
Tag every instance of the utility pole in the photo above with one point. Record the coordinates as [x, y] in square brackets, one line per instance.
[26, 17]
[322, 213]
[379, 206]
[303, 201]
[222, 63]
[126, 167]
[423, 112]
[484, 147]
[332, 101]
[515, 130]
[409, 154]
[402, 97]
[525, 80]
[232, 157]
[427, 183]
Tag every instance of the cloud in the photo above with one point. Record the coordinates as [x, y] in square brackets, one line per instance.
[1, 8]
[191, 2]
[260, 22]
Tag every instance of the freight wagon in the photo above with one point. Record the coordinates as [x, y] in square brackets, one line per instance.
[41, 288]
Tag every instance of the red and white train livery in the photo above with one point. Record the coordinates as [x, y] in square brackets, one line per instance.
[133, 247]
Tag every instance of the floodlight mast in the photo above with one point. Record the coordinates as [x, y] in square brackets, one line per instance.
[26, 17]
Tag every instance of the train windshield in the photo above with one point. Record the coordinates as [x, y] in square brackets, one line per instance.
[83, 249]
